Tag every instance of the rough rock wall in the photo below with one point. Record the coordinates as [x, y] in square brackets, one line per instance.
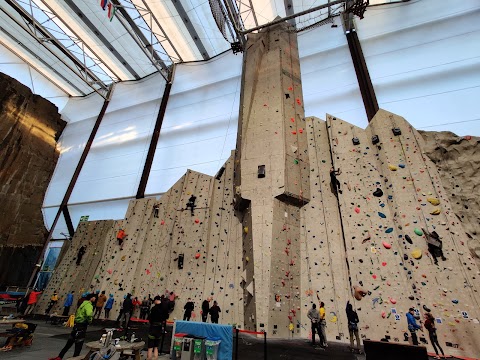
[29, 127]
[458, 162]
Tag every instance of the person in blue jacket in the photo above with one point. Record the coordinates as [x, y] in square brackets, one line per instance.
[412, 325]
[108, 306]
[68, 303]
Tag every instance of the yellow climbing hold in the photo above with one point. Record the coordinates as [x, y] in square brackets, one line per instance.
[334, 319]
[124, 257]
[435, 211]
[291, 327]
[433, 201]
[392, 167]
[417, 254]
[247, 259]
[245, 229]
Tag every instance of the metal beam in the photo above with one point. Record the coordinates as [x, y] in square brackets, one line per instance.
[100, 36]
[74, 179]
[289, 10]
[155, 136]
[132, 28]
[47, 65]
[82, 71]
[191, 29]
[68, 221]
[361, 70]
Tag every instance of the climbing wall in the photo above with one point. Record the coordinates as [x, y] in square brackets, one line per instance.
[324, 273]
[272, 155]
[385, 247]
[68, 276]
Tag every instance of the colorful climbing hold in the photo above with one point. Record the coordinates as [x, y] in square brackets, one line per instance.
[386, 245]
[197, 221]
[357, 210]
[435, 212]
[409, 239]
[417, 254]
[392, 167]
[433, 201]
[418, 231]
[382, 215]
[197, 255]
[389, 230]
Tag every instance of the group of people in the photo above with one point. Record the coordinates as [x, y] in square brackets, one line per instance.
[318, 323]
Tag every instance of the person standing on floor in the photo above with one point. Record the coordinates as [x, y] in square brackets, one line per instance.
[314, 317]
[205, 310]
[102, 298]
[68, 303]
[323, 325]
[189, 306]
[32, 301]
[156, 319]
[215, 312]
[83, 317]
[432, 333]
[144, 307]
[109, 305]
[127, 311]
[353, 321]
[412, 325]
[52, 303]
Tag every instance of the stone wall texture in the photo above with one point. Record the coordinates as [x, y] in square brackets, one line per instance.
[29, 127]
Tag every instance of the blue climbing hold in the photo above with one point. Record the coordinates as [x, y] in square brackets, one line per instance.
[389, 230]
[382, 215]
[401, 165]
[390, 197]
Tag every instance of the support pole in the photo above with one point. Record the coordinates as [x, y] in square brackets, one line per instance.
[68, 221]
[155, 136]
[72, 183]
[265, 345]
[361, 70]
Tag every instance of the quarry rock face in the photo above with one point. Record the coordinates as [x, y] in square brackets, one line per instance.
[29, 127]
[458, 163]
[273, 232]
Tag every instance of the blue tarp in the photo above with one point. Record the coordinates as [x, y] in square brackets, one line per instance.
[210, 331]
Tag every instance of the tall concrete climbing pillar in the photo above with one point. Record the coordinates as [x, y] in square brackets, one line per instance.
[272, 179]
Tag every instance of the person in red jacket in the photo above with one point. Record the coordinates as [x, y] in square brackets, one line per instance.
[32, 301]
[121, 237]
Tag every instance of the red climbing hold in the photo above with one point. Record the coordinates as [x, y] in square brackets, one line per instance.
[197, 221]
[294, 132]
[300, 131]
[384, 263]
[162, 222]
[374, 276]
[292, 119]
[357, 210]
[299, 102]
[197, 255]
[290, 88]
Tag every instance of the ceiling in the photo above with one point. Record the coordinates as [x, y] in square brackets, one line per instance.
[84, 46]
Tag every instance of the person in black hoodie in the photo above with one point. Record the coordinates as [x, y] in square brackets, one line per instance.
[127, 311]
[189, 306]
[353, 320]
[205, 310]
[156, 319]
[215, 313]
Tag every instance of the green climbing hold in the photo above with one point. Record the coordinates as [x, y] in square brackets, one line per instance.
[295, 161]
[418, 231]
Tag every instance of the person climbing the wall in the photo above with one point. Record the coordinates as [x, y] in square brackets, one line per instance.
[156, 319]
[432, 333]
[191, 204]
[435, 245]
[314, 317]
[412, 325]
[323, 325]
[80, 254]
[353, 321]
[68, 303]
[144, 308]
[83, 317]
[32, 301]
[189, 306]
[108, 306]
[156, 207]
[333, 179]
[121, 236]
[127, 311]
[52, 303]
[205, 310]
[102, 298]
[215, 312]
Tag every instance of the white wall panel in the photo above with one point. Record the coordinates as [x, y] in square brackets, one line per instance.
[328, 76]
[424, 61]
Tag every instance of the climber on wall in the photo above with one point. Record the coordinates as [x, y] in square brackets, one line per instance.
[80, 254]
[121, 236]
[314, 317]
[51, 304]
[189, 306]
[412, 325]
[434, 245]
[155, 210]
[333, 179]
[32, 301]
[191, 203]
